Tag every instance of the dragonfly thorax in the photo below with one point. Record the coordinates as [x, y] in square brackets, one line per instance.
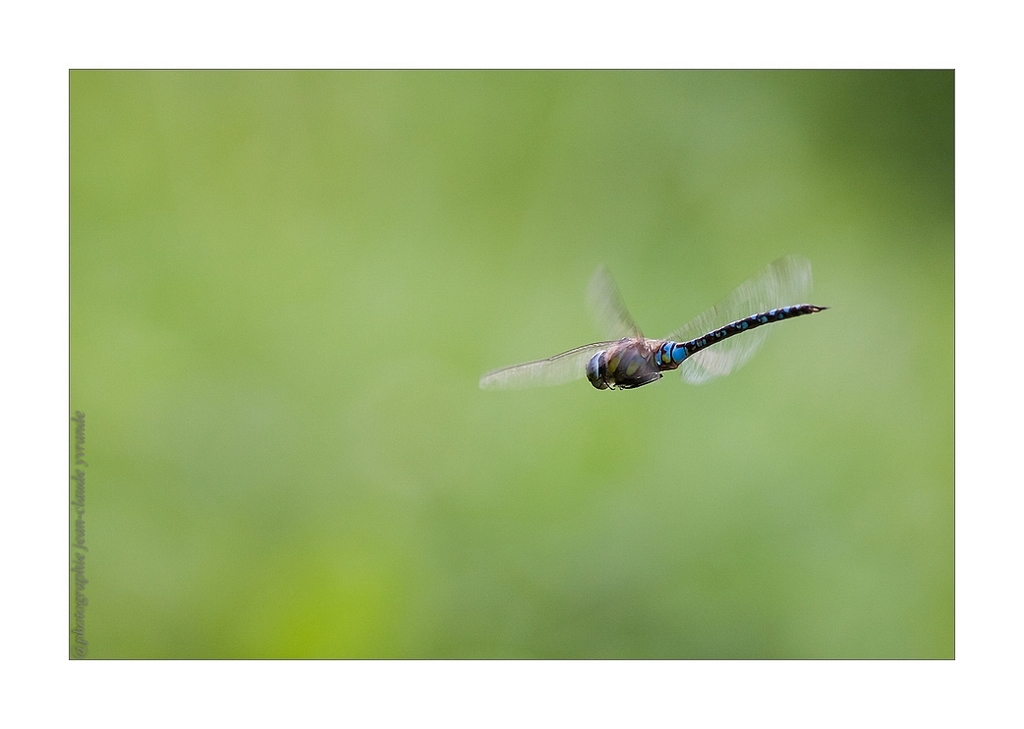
[625, 366]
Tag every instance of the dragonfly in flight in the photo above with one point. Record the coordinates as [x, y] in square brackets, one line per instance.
[712, 345]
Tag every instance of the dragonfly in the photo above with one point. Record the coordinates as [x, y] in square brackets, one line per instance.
[715, 343]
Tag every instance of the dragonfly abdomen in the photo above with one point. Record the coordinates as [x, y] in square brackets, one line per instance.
[672, 354]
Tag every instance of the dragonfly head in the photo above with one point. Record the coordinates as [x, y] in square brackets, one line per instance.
[597, 370]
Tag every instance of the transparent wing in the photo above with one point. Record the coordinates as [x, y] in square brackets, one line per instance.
[784, 282]
[608, 309]
[557, 370]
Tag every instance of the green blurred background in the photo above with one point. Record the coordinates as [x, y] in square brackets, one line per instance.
[285, 287]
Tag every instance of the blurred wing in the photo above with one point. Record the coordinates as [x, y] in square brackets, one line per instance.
[557, 370]
[785, 282]
[608, 309]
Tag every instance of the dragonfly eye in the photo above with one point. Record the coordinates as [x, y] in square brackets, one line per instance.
[597, 370]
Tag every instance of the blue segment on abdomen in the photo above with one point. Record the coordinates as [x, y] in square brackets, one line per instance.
[670, 354]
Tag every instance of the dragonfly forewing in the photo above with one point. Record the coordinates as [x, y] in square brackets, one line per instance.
[557, 370]
[608, 309]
